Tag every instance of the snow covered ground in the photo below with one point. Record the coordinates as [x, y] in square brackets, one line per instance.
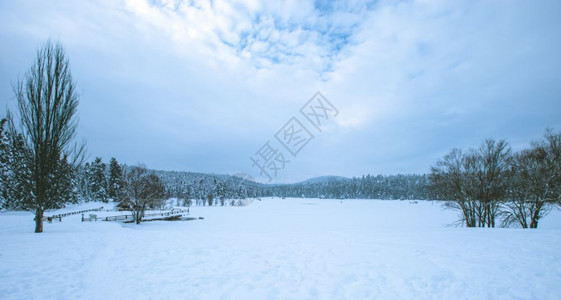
[281, 249]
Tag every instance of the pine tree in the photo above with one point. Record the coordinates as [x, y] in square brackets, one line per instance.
[187, 196]
[4, 167]
[17, 177]
[66, 185]
[84, 176]
[98, 181]
[202, 194]
[115, 185]
[221, 193]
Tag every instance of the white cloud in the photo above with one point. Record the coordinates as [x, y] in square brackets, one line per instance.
[208, 82]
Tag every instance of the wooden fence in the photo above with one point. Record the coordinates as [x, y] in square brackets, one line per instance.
[171, 213]
[59, 216]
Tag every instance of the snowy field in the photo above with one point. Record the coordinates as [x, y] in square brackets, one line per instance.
[281, 249]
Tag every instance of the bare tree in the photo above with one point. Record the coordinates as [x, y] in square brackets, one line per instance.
[452, 179]
[535, 182]
[46, 116]
[144, 189]
[494, 166]
[475, 181]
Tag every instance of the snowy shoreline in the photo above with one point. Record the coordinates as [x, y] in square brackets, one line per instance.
[281, 249]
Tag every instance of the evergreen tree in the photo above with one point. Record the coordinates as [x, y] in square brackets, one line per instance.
[66, 185]
[242, 192]
[187, 196]
[221, 193]
[84, 175]
[17, 179]
[5, 170]
[115, 185]
[202, 194]
[98, 181]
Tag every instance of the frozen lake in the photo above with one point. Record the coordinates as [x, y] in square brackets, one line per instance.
[281, 249]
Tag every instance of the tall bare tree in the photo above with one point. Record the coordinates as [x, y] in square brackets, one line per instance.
[46, 119]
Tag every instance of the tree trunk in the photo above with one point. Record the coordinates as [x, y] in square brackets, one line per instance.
[534, 222]
[536, 216]
[38, 220]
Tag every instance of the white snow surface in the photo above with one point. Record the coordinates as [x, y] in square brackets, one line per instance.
[281, 249]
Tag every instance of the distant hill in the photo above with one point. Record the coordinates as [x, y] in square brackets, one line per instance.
[322, 179]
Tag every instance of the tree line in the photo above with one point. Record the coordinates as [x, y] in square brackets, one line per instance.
[493, 183]
[392, 187]
[98, 182]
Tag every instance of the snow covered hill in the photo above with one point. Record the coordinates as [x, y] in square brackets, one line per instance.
[322, 179]
[281, 249]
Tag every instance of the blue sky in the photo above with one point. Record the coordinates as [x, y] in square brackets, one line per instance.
[202, 86]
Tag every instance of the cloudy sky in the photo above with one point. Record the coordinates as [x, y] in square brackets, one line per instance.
[204, 85]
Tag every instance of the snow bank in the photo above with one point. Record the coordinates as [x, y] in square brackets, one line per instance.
[279, 249]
